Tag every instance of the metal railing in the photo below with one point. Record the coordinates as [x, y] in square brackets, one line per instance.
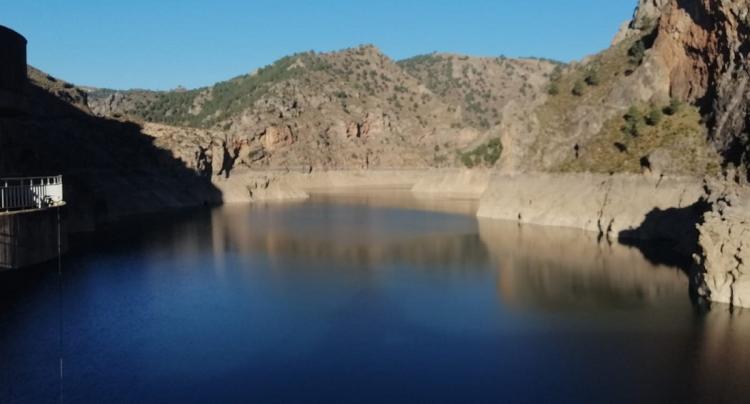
[30, 192]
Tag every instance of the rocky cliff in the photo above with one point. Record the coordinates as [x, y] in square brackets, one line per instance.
[724, 256]
[700, 51]
[669, 96]
[353, 109]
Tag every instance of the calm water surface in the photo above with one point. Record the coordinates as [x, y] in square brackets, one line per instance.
[366, 298]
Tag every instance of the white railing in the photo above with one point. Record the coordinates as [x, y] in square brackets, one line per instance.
[30, 192]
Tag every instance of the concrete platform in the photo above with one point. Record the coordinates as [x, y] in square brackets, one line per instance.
[30, 237]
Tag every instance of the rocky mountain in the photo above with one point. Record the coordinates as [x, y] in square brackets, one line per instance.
[351, 109]
[668, 96]
[702, 46]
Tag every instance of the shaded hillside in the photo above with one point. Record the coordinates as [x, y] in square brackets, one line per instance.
[110, 168]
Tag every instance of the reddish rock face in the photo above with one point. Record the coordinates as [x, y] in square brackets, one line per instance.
[277, 137]
[703, 45]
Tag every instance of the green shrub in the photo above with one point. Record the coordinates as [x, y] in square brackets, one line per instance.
[556, 73]
[494, 151]
[637, 52]
[673, 107]
[578, 88]
[633, 119]
[592, 77]
[633, 115]
[468, 160]
[654, 116]
[488, 153]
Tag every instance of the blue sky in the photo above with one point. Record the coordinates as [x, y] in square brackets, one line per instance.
[160, 44]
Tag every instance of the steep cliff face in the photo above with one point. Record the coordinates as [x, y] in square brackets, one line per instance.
[703, 47]
[604, 114]
[694, 52]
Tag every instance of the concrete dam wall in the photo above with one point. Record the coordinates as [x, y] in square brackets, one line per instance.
[31, 237]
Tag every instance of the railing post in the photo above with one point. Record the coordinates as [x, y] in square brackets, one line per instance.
[31, 192]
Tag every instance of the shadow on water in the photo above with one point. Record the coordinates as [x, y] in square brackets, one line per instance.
[671, 237]
[569, 269]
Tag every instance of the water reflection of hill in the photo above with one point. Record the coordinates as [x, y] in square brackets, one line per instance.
[556, 268]
[724, 343]
[536, 267]
[397, 198]
[352, 236]
[596, 299]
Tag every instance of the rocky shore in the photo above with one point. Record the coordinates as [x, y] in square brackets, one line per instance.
[704, 219]
[614, 206]
[245, 186]
[707, 219]
[725, 246]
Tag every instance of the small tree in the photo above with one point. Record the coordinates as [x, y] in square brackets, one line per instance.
[654, 116]
[592, 77]
[494, 151]
[633, 120]
[578, 88]
[673, 107]
[637, 52]
[633, 115]
[556, 73]
[553, 89]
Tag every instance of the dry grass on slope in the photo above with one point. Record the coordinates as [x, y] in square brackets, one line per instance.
[645, 138]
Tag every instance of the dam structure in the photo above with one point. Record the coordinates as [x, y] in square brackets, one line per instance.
[31, 221]
[12, 71]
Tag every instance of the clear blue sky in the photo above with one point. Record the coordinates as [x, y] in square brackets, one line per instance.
[160, 44]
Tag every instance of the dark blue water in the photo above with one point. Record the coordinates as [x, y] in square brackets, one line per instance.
[361, 299]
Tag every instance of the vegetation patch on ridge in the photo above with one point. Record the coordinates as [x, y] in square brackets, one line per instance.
[484, 155]
[670, 138]
[206, 106]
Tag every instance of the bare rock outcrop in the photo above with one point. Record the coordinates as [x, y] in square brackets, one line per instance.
[258, 187]
[646, 15]
[703, 46]
[275, 137]
[725, 243]
[351, 109]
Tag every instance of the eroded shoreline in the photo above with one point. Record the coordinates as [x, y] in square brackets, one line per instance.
[704, 219]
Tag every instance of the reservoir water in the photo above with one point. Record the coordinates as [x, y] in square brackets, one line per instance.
[375, 297]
